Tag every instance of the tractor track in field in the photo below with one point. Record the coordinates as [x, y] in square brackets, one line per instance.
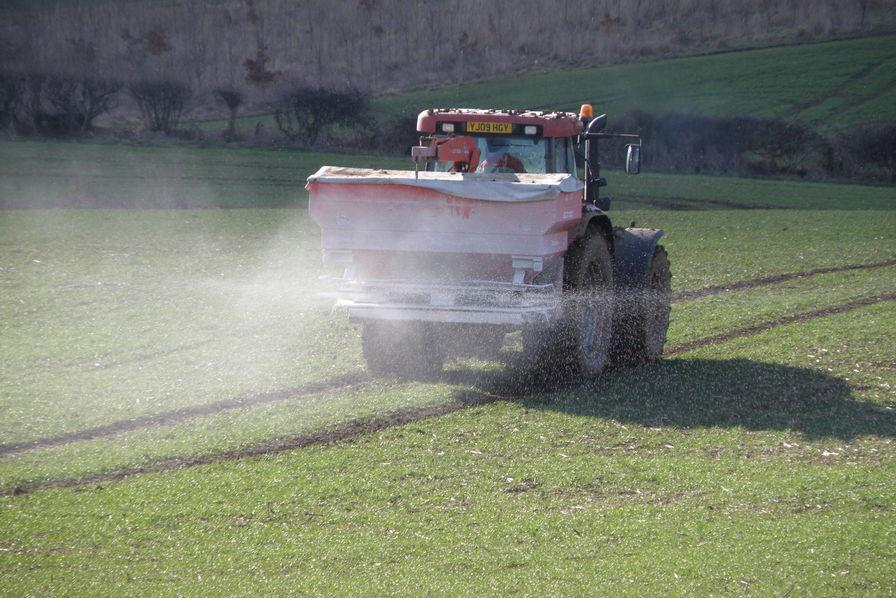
[347, 432]
[783, 321]
[351, 381]
[275, 446]
[777, 278]
[308, 391]
[847, 84]
[690, 204]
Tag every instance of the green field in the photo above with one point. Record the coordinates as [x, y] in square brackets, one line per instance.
[36, 174]
[148, 354]
[829, 86]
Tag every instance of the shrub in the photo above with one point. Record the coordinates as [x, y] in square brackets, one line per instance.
[303, 113]
[161, 103]
[30, 116]
[78, 102]
[732, 145]
[36, 103]
[866, 152]
[397, 135]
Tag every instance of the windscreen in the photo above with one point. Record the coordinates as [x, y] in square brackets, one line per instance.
[512, 154]
[534, 155]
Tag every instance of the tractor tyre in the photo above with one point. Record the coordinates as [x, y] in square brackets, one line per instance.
[642, 324]
[578, 342]
[404, 349]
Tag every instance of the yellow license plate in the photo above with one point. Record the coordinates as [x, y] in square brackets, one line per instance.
[484, 127]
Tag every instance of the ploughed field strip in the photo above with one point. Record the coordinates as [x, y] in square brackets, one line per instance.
[350, 381]
[501, 387]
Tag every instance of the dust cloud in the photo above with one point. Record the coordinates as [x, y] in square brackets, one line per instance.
[137, 326]
[114, 314]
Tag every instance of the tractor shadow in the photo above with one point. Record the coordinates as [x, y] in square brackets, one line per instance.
[698, 393]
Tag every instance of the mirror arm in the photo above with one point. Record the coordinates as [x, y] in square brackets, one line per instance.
[592, 185]
[619, 136]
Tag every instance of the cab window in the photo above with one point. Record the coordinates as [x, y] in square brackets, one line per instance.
[520, 155]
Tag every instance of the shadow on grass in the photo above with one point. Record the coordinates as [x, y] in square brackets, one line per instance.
[698, 393]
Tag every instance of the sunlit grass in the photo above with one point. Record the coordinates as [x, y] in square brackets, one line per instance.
[706, 474]
[692, 320]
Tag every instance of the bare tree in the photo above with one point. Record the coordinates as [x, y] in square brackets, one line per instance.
[162, 103]
[233, 99]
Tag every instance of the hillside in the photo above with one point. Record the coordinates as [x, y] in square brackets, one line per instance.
[828, 85]
[380, 45]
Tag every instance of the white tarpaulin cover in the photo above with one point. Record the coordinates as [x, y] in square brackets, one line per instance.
[484, 186]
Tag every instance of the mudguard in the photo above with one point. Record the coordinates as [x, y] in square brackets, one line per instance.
[633, 251]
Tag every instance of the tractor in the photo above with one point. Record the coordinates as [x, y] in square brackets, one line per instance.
[501, 227]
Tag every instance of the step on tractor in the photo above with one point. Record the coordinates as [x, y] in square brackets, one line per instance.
[501, 227]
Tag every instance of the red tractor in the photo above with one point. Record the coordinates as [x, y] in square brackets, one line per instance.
[495, 231]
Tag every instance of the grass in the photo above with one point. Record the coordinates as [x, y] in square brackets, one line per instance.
[688, 192]
[818, 84]
[830, 86]
[351, 400]
[38, 174]
[686, 477]
[761, 465]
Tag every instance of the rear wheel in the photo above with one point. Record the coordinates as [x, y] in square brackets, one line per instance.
[404, 349]
[578, 342]
[641, 329]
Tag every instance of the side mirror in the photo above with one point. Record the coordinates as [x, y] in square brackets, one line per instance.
[596, 125]
[632, 159]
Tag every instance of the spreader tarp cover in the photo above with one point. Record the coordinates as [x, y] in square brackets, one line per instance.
[484, 186]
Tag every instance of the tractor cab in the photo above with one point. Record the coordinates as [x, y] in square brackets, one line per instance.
[515, 154]
[501, 141]
[462, 140]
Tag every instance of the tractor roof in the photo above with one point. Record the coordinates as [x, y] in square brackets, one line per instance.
[551, 124]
